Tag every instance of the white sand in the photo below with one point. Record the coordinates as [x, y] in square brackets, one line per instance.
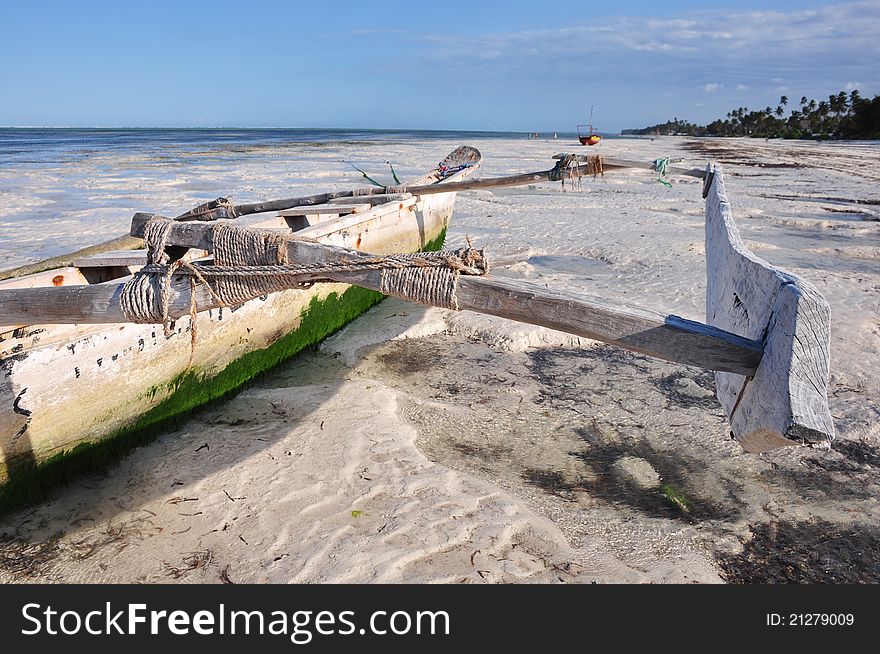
[420, 445]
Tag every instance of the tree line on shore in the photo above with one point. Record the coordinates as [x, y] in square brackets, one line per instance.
[841, 116]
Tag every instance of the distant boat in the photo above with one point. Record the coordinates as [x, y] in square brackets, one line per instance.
[592, 136]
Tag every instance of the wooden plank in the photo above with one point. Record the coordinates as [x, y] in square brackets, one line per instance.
[310, 210]
[666, 337]
[785, 402]
[122, 242]
[326, 227]
[381, 198]
[126, 258]
[612, 163]
[112, 258]
[66, 276]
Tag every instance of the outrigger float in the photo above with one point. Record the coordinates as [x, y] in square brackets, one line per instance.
[115, 342]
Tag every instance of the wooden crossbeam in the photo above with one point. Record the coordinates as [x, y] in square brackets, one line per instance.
[664, 336]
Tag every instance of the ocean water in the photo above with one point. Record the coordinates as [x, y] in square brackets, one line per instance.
[62, 189]
[22, 146]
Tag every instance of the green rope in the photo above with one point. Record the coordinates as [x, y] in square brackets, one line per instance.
[660, 165]
[369, 179]
[396, 180]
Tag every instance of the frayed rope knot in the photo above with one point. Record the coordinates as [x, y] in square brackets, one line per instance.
[249, 263]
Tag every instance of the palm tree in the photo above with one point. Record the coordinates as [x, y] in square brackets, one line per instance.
[822, 111]
[854, 98]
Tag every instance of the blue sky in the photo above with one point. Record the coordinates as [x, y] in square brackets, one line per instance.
[438, 65]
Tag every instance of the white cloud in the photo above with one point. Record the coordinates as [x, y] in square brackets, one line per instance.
[852, 86]
[790, 48]
[644, 65]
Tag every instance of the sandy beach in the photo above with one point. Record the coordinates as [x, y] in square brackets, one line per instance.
[425, 445]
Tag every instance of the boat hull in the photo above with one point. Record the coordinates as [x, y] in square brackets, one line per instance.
[68, 386]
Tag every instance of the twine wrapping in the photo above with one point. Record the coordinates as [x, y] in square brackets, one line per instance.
[249, 263]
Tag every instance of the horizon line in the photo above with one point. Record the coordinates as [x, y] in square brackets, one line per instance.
[363, 129]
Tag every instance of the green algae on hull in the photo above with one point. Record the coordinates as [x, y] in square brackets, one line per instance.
[320, 319]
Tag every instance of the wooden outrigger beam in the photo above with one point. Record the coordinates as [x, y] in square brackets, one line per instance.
[217, 209]
[611, 163]
[221, 208]
[666, 337]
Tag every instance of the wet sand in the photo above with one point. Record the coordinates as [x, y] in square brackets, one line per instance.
[422, 445]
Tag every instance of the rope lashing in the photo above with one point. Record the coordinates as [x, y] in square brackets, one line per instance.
[661, 165]
[594, 166]
[249, 263]
[563, 169]
[567, 165]
[367, 177]
[393, 173]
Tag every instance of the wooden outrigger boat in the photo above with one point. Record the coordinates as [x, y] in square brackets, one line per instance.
[68, 384]
[77, 371]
